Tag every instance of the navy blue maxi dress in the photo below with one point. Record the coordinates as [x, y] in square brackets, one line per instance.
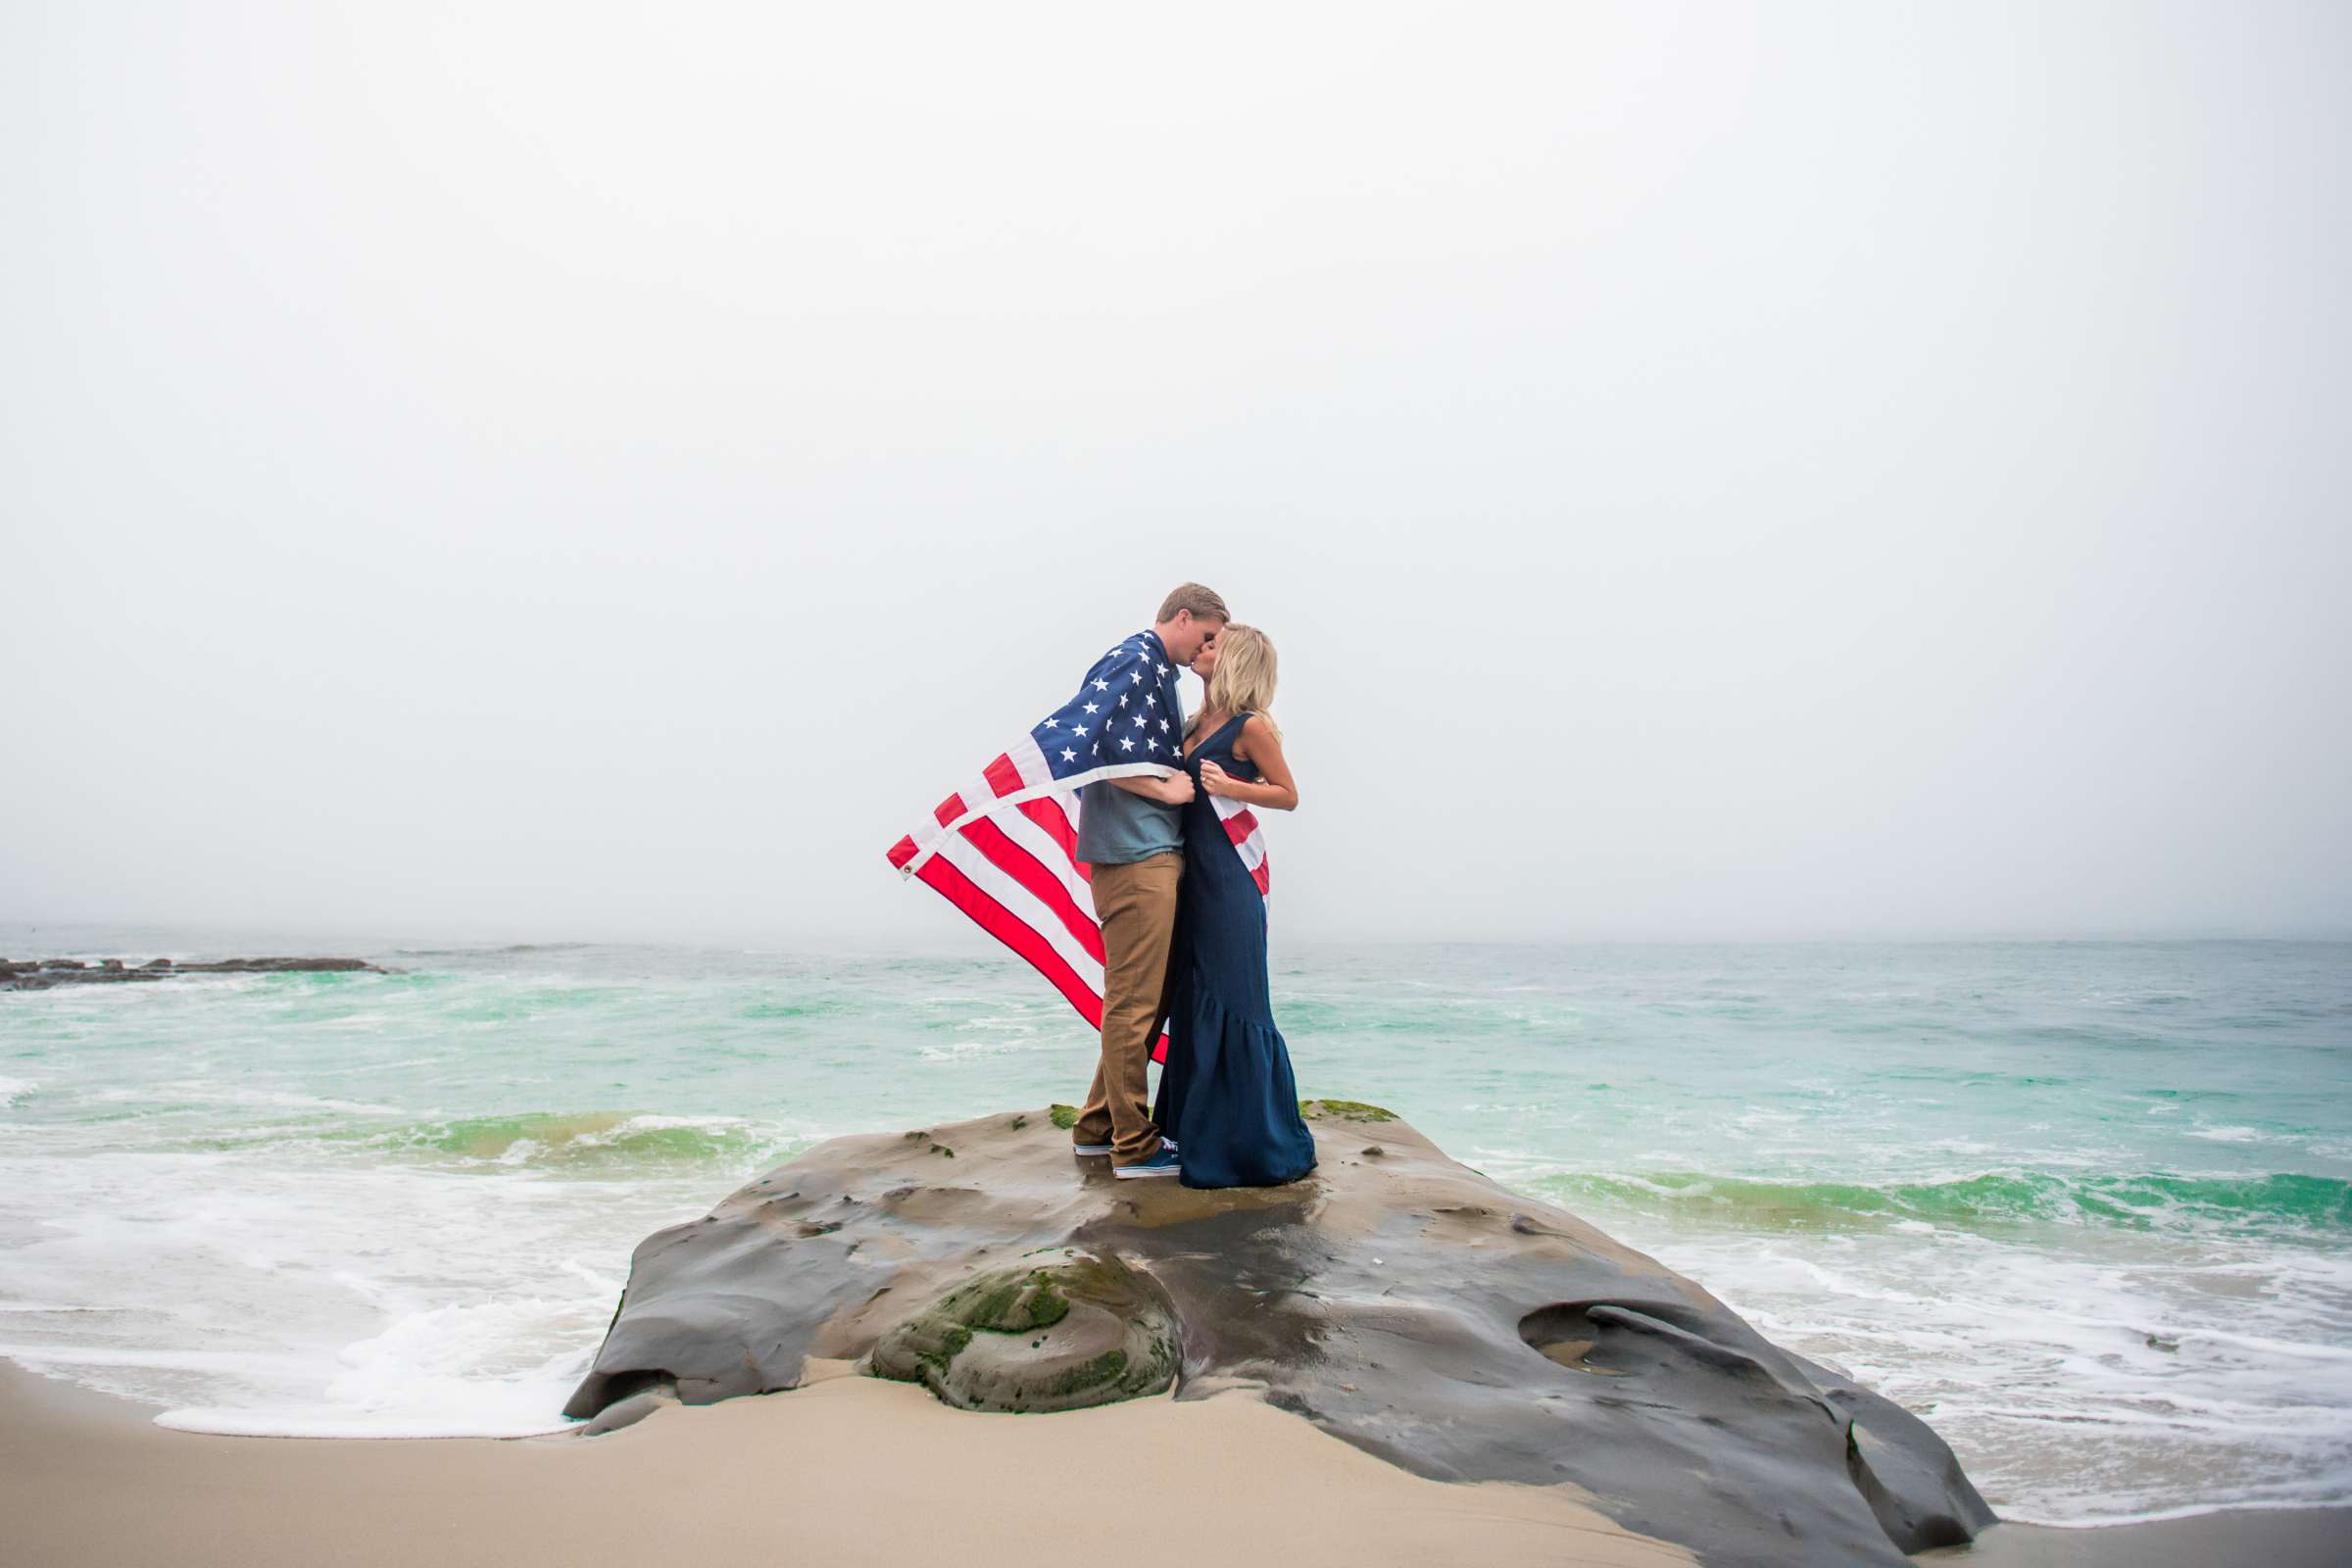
[1226, 1094]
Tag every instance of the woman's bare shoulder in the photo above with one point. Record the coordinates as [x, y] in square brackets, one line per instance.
[1255, 728]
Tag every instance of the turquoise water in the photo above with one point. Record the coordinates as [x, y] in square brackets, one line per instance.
[2083, 1205]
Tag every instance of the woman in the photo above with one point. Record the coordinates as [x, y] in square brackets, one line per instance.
[1227, 1100]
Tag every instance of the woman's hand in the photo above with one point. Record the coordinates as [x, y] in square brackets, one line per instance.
[1215, 780]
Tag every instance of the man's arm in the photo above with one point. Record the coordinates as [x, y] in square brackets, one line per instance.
[1174, 790]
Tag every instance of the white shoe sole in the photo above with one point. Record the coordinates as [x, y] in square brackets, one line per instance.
[1138, 1173]
[1090, 1149]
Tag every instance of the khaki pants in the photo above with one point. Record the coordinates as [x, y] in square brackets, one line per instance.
[1136, 905]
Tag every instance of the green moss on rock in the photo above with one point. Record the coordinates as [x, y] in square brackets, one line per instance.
[1064, 1117]
[1104, 1371]
[1060, 1336]
[1343, 1111]
[1016, 1306]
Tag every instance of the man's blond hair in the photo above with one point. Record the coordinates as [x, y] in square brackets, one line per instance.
[1202, 602]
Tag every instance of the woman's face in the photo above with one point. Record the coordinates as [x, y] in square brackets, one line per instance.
[1204, 663]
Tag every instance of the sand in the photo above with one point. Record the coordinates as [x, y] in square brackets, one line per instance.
[2281, 1537]
[847, 1471]
[852, 1471]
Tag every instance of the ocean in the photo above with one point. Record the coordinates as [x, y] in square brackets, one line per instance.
[2085, 1206]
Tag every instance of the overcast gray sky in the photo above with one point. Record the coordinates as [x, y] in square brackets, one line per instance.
[572, 471]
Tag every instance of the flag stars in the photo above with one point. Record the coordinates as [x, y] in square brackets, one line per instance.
[1123, 698]
[1126, 745]
[1102, 685]
[1151, 700]
[1068, 755]
[1163, 724]
[1139, 721]
[1136, 676]
[1090, 707]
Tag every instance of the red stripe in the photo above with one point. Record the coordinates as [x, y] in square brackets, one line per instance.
[1039, 878]
[1047, 812]
[1001, 775]
[1240, 825]
[950, 810]
[1000, 922]
[952, 884]
[900, 853]
[1259, 875]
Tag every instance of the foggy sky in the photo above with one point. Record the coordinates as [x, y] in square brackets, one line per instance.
[1855, 470]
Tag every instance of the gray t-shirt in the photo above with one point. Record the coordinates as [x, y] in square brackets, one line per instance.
[1132, 712]
[1118, 828]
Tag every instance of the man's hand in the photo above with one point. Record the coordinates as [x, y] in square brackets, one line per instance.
[1174, 790]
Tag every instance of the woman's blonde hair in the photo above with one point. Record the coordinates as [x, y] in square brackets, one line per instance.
[1243, 679]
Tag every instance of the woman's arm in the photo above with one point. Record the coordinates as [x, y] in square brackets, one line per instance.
[1258, 744]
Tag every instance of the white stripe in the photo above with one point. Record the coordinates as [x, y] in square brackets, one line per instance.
[1038, 843]
[1029, 762]
[1252, 847]
[928, 839]
[1252, 850]
[1024, 907]
[934, 834]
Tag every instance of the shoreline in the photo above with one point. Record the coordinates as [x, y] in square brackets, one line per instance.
[853, 1470]
[251, 1091]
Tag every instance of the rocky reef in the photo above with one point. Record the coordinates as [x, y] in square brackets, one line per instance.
[39, 974]
[1396, 1298]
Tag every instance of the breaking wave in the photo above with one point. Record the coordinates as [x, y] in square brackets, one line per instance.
[2158, 1201]
[586, 1140]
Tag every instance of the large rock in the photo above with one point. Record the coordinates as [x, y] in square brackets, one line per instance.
[1396, 1298]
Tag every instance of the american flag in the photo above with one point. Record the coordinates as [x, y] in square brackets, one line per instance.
[1004, 847]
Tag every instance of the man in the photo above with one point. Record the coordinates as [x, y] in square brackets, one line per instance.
[1131, 834]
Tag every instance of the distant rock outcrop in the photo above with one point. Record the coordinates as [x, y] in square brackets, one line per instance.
[39, 974]
[1396, 1298]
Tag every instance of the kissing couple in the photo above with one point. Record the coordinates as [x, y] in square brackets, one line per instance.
[1121, 801]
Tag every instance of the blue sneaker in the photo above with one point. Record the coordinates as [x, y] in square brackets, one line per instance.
[1162, 1163]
